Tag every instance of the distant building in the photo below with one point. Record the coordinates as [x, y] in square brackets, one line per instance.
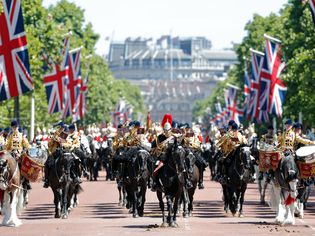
[187, 62]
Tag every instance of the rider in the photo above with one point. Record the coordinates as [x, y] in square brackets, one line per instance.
[15, 144]
[269, 138]
[228, 143]
[289, 138]
[74, 139]
[54, 142]
[159, 146]
[300, 140]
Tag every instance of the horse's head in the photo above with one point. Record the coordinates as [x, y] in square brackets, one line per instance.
[67, 161]
[178, 157]
[245, 156]
[142, 160]
[289, 168]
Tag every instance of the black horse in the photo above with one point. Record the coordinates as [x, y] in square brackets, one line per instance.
[61, 181]
[208, 153]
[92, 159]
[173, 180]
[107, 159]
[238, 173]
[192, 172]
[136, 178]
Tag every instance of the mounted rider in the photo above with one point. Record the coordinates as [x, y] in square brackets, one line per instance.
[16, 144]
[74, 139]
[289, 138]
[192, 144]
[227, 144]
[56, 140]
[159, 146]
[269, 138]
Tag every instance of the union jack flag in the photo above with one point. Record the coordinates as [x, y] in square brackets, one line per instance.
[15, 76]
[274, 89]
[73, 82]
[234, 112]
[81, 105]
[246, 88]
[256, 65]
[312, 5]
[120, 115]
[55, 81]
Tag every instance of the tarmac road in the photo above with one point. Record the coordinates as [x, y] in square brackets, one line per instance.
[99, 214]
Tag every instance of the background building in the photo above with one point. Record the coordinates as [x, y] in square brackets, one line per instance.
[172, 72]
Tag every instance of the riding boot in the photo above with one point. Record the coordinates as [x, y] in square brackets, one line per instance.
[46, 180]
[27, 184]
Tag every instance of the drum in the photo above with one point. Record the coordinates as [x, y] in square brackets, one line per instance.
[30, 169]
[306, 161]
[269, 160]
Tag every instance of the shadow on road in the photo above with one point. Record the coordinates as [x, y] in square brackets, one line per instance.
[38, 212]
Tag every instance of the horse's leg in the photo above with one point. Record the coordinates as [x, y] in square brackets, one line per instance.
[191, 200]
[135, 202]
[175, 206]
[280, 211]
[119, 187]
[161, 203]
[95, 171]
[6, 208]
[242, 201]
[143, 192]
[124, 195]
[57, 202]
[65, 200]
[290, 220]
[10, 218]
[185, 200]
[170, 210]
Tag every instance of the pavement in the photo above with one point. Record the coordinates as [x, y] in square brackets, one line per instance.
[98, 213]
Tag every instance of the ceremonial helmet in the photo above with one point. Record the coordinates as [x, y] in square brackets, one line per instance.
[167, 122]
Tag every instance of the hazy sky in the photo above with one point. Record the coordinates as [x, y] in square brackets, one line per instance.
[221, 21]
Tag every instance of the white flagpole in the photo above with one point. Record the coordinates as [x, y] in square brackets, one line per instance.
[32, 125]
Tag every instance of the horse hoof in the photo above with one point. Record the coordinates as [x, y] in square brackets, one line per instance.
[233, 214]
[190, 214]
[173, 225]
[164, 225]
[57, 216]
[135, 216]
[65, 216]
[185, 215]
[262, 203]
[241, 215]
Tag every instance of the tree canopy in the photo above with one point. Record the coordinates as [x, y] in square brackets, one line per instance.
[293, 25]
[45, 31]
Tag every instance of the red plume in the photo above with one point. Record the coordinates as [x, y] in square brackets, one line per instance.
[167, 119]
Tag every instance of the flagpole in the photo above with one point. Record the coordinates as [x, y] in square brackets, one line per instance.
[17, 109]
[32, 125]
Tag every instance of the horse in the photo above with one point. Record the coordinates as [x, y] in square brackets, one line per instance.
[188, 193]
[92, 159]
[173, 180]
[136, 179]
[10, 190]
[107, 158]
[119, 170]
[304, 191]
[284, 190]
[209, 155]
[238, 174]
[61, 181]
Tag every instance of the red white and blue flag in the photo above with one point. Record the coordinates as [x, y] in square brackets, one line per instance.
[246, 88]
[15, 78]
[273, 89]
[73, 83]
[55, 81]
[255, 68]
[81, 104]
[312, 5]
[120, 115]
[235, 113]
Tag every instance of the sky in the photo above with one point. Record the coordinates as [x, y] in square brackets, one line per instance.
[220, 21]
